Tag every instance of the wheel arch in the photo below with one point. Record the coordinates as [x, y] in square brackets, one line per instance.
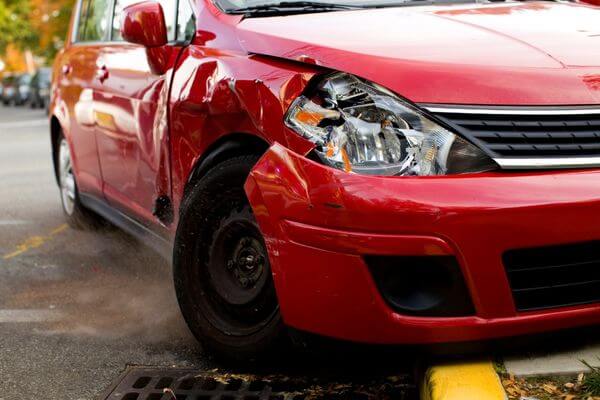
[230, 145]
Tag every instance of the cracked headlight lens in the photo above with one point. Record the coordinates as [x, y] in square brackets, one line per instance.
[360, 127]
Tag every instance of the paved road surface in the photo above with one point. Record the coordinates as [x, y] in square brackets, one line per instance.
[77, 307]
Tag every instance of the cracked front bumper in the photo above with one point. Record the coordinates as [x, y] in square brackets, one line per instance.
[319, 223]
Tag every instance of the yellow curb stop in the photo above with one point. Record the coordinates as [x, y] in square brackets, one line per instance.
[462, 381]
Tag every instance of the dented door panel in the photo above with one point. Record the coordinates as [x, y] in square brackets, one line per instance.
[130, 110]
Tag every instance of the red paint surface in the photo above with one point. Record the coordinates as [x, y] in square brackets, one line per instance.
[139, 121]
[324, 285]
[531, 53]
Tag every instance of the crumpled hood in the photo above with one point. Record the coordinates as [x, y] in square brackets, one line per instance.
[535, 53]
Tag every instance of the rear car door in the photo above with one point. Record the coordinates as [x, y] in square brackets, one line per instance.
[76, 81]
[131, 117]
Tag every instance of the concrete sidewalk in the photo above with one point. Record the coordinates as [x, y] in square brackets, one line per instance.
[561, 361]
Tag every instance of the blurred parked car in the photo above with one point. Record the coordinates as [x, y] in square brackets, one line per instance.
[2, 83]
[39, 96]
[8, 89]
[21, 94]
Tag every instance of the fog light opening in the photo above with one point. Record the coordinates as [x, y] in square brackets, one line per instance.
[422, 286]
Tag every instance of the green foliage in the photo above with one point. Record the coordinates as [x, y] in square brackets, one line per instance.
[37, 25]
[15, 25]
[591, 384]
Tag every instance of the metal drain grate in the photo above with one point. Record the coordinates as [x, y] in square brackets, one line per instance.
[179, 384]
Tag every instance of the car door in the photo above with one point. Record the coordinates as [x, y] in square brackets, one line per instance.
[131, 121]
[76, 81]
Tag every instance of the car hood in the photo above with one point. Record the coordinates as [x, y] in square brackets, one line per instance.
[534, 53]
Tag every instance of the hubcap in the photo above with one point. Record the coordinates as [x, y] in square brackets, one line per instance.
[66, 178]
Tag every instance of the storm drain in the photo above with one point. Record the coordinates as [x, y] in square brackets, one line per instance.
[180, 384]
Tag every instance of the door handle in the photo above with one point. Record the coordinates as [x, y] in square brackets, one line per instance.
[102, 74]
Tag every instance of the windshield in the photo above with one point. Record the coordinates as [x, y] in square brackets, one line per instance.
[245, 6]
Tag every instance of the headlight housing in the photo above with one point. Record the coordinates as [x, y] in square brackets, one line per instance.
[361, 127]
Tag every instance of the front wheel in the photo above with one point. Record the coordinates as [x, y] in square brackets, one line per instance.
[221, 268]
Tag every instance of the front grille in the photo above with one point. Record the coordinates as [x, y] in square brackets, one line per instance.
[557, 276]
[527, 134]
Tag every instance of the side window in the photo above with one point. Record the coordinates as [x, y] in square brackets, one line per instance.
[94, 20]
[169, 8]
[186, 22]
[81, 22]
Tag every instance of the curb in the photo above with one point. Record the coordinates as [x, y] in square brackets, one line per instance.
[462, 381]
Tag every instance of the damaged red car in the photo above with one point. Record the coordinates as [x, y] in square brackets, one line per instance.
[376, 171]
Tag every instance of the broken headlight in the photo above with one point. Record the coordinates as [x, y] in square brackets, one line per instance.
[360, 127]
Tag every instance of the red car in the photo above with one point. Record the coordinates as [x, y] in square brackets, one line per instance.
[378, 171]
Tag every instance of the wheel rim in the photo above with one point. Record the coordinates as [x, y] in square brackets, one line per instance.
[238, 282]
[66, 178]
[243, 257]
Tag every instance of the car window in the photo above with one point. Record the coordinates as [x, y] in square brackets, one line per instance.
[186, 22]
[94, 20]
[81, 22]
[168, 6]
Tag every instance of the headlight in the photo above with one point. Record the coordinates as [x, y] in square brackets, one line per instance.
[360, 127]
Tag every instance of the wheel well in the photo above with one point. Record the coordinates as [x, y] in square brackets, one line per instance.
[55, 133]
[237, 144]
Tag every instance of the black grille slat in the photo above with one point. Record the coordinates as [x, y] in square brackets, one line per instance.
[534, 150]
[593, 283]
[556, 276]
[527, 136]
[557, 126]
[538, 137]
[529, 268]
[548, 278]
[573, 295]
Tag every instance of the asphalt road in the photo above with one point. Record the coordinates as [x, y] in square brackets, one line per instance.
[76, 308]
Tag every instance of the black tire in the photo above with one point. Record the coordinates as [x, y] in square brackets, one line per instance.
[76, 215]
[228, 302]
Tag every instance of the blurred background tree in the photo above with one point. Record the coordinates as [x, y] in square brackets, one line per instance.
[32, 31]
[50, 18]
[15, 27]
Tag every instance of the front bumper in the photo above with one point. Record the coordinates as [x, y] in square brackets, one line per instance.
[318, 224]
